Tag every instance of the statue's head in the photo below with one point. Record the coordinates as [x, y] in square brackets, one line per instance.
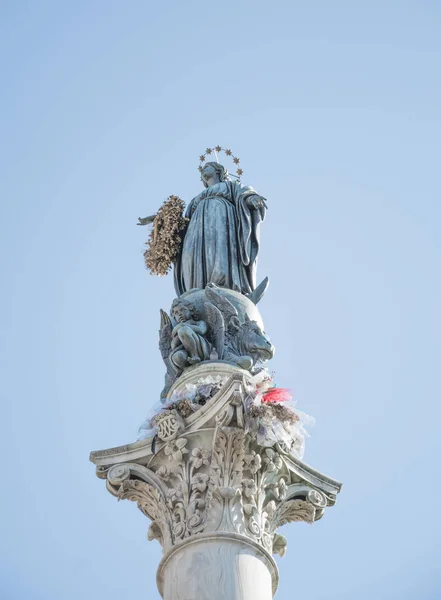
[182, 310]
[213, 170]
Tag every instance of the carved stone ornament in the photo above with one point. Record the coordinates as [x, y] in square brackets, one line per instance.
[212, 324]
[169, 425]
[209, 476]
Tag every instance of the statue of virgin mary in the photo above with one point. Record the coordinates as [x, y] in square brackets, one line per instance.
[221, 242]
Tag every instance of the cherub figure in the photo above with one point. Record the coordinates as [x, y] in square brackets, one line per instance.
[188, 344]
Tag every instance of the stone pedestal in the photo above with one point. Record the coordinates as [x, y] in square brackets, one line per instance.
[214, 496]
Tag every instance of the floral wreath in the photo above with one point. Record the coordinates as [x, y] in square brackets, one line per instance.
[215, 150]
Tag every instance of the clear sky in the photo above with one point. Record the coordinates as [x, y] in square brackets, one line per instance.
[335, 111]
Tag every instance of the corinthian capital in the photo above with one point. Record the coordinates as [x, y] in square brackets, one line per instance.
[209, 476]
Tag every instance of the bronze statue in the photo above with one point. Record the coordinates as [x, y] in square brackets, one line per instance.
[221, 242]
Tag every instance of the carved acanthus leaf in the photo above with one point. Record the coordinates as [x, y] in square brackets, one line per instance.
[291, 511]
[279, 545]
[149, 499]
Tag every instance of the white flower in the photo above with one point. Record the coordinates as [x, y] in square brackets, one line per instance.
[200, 457]
[200, 482]
[174, 450]
[253, 462]
[163, 473]
[249, 487]
[272, 460]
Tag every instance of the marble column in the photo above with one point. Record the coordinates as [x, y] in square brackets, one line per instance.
[215, 498]
[216, 566]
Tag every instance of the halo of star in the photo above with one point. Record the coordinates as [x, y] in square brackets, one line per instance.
[217, 150]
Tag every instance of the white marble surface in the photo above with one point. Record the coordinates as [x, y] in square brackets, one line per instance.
[217, 569]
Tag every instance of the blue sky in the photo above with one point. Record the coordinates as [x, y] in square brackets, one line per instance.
[334, 110]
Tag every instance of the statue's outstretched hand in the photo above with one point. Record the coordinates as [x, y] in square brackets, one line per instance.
[257, 202]
[146, 220]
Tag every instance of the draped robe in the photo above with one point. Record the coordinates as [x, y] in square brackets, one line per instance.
[221, 242]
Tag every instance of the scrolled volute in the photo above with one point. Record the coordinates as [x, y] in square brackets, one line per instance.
[219, 480]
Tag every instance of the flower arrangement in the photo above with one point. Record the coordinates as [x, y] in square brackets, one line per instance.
[185, 402]
[165, 238]
[271, 418]
[270, 415]
[195, 395]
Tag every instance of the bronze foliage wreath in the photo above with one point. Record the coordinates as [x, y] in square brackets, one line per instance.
[166, 236]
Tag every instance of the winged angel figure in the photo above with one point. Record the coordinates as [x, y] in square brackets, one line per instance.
[185, 338]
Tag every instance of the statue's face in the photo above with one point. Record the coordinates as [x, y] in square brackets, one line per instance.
[181, 313]
[209, 172]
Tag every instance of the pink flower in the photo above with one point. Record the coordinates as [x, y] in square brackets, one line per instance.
[277, 395]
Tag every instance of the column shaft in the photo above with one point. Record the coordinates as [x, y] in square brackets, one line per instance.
[217, 568]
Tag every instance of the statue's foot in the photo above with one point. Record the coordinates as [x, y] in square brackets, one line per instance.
[192, 360]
